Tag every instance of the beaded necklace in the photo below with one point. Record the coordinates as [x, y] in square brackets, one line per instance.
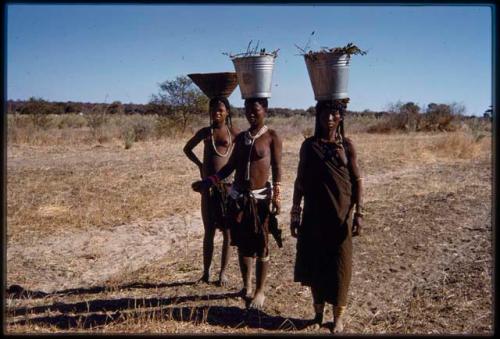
[249, 140]
[229, 149]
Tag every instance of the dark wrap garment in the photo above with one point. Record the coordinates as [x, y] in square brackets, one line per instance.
[249, 222]
[215, 200]
[324, 242]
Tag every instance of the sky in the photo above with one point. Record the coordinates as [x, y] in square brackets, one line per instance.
[106, 53]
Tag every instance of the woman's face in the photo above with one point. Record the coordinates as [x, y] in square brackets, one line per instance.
[329, 119]
[219, 113]
[255, 113]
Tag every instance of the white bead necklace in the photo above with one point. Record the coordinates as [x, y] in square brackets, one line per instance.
[229, 149]
[249, 140]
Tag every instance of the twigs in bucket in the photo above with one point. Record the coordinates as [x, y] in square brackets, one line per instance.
[252, 52]
[349, 49]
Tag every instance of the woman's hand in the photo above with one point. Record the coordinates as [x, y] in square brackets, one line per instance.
[357, 224]
[294, 226]
[201, 185]
[276, 206]
[295, 220]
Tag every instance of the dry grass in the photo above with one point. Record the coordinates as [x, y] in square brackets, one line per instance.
[423, 265]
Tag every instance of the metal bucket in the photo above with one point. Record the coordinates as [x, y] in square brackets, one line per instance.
[329, 74]
[254, 75]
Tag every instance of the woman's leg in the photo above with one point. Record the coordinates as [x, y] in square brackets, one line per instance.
[261, 268]
[319, 306]
[338, 318]
[208, 238]
[226, 251]
[246, 264]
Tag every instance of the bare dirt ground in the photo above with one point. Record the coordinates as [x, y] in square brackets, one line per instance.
[102, 239]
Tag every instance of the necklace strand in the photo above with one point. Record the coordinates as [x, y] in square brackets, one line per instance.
[229, 149]
[250, 141]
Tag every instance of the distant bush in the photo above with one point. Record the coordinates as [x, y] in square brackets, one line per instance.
[167, 127]
[459, 145]
[115, 107]
[135, 128]
[71, 121]
[96, 119]
[438, 117]
[407, 117]
[41, 120]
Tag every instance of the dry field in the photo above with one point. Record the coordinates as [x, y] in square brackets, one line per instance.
[105, 239]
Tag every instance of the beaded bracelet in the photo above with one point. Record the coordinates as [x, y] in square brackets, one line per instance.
[277, 191]
[214, 179]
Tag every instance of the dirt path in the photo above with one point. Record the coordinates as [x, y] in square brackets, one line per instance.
[86, 258]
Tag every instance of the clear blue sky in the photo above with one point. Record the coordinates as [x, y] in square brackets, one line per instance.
[103, 53]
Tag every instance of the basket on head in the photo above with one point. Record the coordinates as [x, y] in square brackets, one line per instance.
[329, 74]
[215, 84]
[254, 75]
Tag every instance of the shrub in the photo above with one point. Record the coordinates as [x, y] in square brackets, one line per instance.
[167, 127]
[95, 121]
[457, 145]
[71, 121]
[41, 120]
[129, 137]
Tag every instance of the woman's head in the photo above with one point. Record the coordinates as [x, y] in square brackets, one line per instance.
[220, 111]
[330, 116]
[255, 110]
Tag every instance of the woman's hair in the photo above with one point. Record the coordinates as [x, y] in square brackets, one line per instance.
[337, 105]
[262, 101]
[213, 105]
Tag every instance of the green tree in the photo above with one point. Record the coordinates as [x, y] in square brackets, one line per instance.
[410, 111]
[180, 98]
[440, 116]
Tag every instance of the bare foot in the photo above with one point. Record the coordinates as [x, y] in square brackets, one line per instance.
[315, 324]
[222, 281]
[338, 325]
[203, 279]
[258, 301]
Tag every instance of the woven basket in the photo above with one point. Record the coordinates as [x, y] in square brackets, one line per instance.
[215, 84]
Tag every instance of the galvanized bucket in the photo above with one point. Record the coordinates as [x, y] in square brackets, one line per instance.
[254, 75]
[329, 74]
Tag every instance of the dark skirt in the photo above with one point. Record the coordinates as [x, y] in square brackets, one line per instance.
[324, 261]
[214, 206]
[248, 220]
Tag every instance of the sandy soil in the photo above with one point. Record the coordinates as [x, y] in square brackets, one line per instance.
[422, 265]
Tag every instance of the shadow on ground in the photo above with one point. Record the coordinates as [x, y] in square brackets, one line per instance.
[98, 313]
[18, 292]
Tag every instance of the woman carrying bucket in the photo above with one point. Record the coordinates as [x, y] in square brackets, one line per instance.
[218, 139]
[256, 157]
[330, 182]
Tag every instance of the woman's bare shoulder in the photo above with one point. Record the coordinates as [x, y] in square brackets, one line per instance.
[234, 130]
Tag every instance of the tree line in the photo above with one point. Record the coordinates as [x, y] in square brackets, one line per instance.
[182, 99]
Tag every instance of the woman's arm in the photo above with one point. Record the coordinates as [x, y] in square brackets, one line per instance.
[276, 154]
[223, 173]
[191, 144]
[357, 179]
[357, 186]
[298, 192]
